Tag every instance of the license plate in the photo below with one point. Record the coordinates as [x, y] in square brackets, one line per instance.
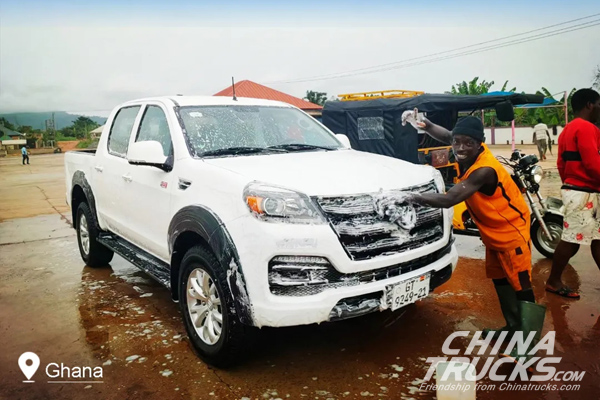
[409, 291]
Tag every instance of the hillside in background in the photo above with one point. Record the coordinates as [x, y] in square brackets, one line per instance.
[37, 120]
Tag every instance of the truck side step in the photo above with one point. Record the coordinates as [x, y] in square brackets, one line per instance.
[154, 267]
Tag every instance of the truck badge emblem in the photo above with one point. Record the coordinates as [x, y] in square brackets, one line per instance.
[396, 211]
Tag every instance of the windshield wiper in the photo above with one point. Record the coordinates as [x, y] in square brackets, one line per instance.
[300, 147]
[238, 150]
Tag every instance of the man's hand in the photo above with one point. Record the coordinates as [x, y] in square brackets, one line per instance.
[413, 198]
[412, 117]
[421, 123]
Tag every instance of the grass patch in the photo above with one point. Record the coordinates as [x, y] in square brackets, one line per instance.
[84, 144]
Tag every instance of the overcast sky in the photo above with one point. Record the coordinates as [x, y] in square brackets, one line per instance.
[64, 56]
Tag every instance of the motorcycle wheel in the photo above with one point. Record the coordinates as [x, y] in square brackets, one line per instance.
[542, 243]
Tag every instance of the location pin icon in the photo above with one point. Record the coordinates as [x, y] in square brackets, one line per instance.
[29, 370]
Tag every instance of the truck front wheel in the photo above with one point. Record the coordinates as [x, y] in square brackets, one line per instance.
[208, 309]
[93, 253]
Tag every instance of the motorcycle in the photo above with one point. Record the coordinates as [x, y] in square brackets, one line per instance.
[547, 213]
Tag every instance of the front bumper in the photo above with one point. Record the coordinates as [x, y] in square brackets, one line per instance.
[356, 306]
[330, 305]
[258, 242]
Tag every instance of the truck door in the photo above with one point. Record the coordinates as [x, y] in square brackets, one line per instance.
[148, 194]
[111, 170]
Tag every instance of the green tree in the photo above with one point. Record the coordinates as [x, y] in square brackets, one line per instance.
[545, 92]
[7, 125]
[80, 128]
[316, 97]
[514, 89]
[473, 87]
[83, 125]
[68, 131]
[551, 115]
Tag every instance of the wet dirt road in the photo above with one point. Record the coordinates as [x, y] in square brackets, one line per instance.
[118, 319]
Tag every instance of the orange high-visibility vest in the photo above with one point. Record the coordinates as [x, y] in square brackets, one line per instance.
[503, 219]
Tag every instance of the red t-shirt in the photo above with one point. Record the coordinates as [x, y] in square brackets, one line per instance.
[581, 139]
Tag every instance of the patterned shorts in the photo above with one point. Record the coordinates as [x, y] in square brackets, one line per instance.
[582, 217]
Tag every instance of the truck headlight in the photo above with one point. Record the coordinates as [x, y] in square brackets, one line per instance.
[277, 204]
[537, 173]
[438, 179]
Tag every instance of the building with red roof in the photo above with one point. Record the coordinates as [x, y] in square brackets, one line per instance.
[254, 90]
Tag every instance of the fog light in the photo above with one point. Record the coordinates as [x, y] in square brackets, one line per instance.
[298, 271]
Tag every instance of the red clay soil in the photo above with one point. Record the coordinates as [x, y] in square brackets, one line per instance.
[67, 146]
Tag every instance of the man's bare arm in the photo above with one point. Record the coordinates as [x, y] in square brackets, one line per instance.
[435, 131]
[459, 192]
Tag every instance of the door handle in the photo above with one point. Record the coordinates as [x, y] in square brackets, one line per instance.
[99, 168]
[127, 177]
[184, 184]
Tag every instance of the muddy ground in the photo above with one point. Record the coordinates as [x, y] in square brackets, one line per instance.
[119, 319]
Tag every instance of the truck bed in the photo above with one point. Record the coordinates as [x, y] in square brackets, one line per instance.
[83, 151]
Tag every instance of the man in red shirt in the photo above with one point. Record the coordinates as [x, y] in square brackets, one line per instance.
[579, 169]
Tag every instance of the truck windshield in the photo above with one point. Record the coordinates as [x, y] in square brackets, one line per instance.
[212, 130]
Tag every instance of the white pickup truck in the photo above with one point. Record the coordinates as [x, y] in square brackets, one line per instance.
[254, 214]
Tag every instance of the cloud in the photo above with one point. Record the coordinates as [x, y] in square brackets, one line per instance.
[97, 67]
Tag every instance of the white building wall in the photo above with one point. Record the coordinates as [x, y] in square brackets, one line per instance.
[15, 141]
[522, 134]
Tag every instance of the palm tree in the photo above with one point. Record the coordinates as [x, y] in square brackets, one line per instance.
[545, 92]
[514, 89]
[550, 116]
[472, 87]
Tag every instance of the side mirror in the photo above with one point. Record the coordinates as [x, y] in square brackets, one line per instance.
[344, 139]
[148, 153]
[505, 111]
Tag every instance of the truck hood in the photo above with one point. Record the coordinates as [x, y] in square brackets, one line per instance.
[328, 173]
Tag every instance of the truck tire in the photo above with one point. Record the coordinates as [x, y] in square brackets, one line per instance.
[92, 252]
[208, 309]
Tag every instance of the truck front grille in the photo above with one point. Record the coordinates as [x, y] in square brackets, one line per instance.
[365, 232]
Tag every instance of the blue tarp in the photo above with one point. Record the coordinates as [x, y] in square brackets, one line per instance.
[498, 93]
[547, 102]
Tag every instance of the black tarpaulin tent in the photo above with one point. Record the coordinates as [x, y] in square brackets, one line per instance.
[375, 125]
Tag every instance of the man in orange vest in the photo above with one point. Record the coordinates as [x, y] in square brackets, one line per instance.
[502, 217]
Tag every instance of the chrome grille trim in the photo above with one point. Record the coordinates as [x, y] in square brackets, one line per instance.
[364, 234]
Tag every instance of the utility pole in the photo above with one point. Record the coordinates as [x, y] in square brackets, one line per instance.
[566, 109]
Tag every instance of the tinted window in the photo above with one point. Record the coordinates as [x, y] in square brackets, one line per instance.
[154, 126]
[118, 139]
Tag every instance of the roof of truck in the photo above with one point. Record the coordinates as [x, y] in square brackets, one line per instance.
[184, 101]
